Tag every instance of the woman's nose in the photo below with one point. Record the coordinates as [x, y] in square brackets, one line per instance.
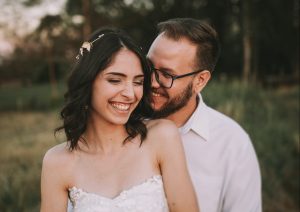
[128, 90]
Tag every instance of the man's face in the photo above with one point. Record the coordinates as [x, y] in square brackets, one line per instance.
[175, 58]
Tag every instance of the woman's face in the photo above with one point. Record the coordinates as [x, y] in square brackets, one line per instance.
[118, 89]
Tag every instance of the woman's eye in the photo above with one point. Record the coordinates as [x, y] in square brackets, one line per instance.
[140, 82]
[114, 81]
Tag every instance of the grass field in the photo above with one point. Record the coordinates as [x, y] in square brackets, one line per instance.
[271, 117]
[24, 138]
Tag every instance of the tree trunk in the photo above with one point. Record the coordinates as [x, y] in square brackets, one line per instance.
[87, 29]
[247, 41]
[51, 72]
[247, 54]
[296, 22]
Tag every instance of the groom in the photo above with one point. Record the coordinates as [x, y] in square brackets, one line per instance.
[220, 156]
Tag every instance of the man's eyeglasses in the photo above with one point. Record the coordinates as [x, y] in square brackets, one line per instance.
[166, 80]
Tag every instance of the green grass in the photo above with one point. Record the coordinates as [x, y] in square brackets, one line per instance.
[35, 97]
[24, 138]
[271, 117]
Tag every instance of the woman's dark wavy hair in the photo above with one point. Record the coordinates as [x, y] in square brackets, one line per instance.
[75, 113]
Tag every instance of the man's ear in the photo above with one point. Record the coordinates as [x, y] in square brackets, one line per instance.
[201, 80]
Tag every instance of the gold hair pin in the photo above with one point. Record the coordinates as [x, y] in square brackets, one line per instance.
[88, 46]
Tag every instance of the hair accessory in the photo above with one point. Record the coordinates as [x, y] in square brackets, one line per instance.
[88, 46]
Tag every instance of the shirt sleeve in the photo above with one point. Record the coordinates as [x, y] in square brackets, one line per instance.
[243, 184]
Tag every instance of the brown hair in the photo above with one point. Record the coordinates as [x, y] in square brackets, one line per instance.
[199, 33]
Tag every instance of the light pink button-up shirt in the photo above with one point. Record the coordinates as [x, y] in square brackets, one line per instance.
[222, 162]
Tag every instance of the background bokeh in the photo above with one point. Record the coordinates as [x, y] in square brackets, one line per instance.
[256, 81]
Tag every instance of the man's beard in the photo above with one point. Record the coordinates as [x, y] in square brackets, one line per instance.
[174, 104]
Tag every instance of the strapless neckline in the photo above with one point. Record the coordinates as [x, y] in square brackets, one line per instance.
[147, 196]
[75, 190]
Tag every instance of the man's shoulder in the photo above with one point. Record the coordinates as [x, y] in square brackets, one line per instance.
[221, 124]
[224, 133]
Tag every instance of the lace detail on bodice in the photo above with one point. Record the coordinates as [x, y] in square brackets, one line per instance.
[148, 196]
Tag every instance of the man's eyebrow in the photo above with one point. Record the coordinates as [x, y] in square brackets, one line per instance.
[168, 70]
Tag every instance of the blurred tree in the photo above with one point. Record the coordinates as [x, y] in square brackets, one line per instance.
[87, 28]
[56, 36]
[259, 38]
[43, 55]
[30, 3]
[50, 28]
[276, 38]
[246, 13]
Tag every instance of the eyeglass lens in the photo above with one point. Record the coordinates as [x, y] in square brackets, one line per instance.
[163, 79]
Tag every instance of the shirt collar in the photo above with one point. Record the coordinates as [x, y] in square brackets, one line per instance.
[198, 122]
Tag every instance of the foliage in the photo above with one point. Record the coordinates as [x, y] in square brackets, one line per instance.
[24, 138]
[273, 29]
[37, 97]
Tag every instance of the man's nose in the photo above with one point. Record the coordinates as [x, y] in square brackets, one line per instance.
[154, 82]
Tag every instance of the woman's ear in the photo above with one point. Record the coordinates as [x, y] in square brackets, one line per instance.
[201, 80]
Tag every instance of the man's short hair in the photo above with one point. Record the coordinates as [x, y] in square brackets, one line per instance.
[199, 33]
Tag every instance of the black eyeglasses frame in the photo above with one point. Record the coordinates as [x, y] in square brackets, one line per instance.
[173, 77]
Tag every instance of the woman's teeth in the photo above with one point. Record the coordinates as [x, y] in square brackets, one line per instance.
[119, 106]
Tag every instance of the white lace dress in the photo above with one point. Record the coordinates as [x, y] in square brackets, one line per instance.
[148, 196]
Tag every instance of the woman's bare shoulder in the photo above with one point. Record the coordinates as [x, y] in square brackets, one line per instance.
[57, 172]
[162, 132]
[162, 127]
[158, 123]
[57, 156]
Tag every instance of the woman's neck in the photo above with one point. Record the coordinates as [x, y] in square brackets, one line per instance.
[104, 137]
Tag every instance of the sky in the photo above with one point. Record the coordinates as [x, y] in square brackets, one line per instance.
[19, 20]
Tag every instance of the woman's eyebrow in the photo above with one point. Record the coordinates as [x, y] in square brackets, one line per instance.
[139, 76]
[116, 74]
[123, 75]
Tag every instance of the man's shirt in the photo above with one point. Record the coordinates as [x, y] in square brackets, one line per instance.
[222, 162]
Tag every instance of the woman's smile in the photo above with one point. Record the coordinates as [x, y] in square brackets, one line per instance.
[122, 107]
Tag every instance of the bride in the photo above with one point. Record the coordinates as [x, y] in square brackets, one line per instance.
[114, 159]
